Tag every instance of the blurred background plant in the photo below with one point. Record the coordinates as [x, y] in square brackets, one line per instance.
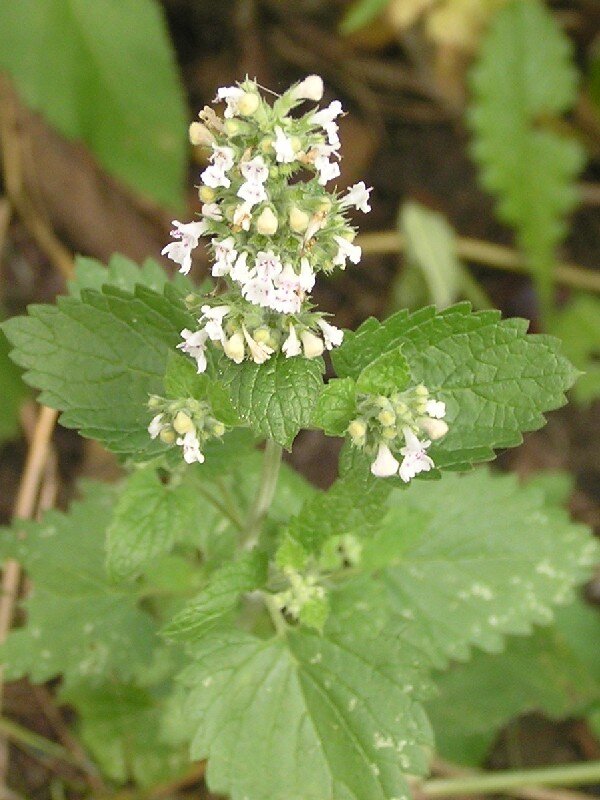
[478, 124]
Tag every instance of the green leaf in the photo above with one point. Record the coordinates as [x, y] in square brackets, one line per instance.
[107, 77]
[578, 325]
[495, 380]
[148, 517]
[78, 623]
[182, 380]
[12, 390]
[388, 373]
[124, 727]
[524, 79]
[457, 577]
[201, 615]
[336, 406]
[541, 673]
[125, 274]
[346, 704]
[275, 399]
[98, 358]
[361, 13]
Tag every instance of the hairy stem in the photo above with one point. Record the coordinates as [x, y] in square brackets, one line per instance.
[264, 494]
[501, 782]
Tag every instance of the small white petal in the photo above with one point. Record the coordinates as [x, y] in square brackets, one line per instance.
[260, 351]
[332, 336]
[291, 346]
[284, 152]
[385, 464]
[436, 409]
[156, 426]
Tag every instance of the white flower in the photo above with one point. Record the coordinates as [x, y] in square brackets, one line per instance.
[436, 409]
[291, 346]
[327, 169]
[259, 351]
[332, 336]
[255, 171]
[194, 345]
[212, 211]
[234, 348]
[284, 152]
[385, 464]
[306, 279]
[346, 250]
[191, 447]
[415, 459]
[214, 176]
[156, 426]
[311, 344]
[252, 193]
[223, 157]
[232, 96]
[259, 292]
[358, 196]
[288, 295]
[225, 256]
[215, 316]
[325, 118]
[240, 272]
[186, 236]
[267, 265]
[311, 88]
[242, 216]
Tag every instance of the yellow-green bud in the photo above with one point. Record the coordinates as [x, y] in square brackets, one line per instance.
[247, 104]
[324, 205]
[167, 435]
[386, 417]
[218, 429]
[296, 143]
[421, 391]
[232, 127]
[312, 345]
[261, 335]
[266, 144]
[199, 134]
[206, 194]
[401, 408]
[298, 219]
[155, 402]
[357, 430]
[434, 428]
[389, 433]
[182, 423]
[267, 222]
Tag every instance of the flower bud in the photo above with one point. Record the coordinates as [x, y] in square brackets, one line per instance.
[389, 433]
[266, 144]
[167, 435]
[234, 348]
[298, 219]
[267, 222]
[312, 345]
[218, 429]
[325, 205]
[182, 423]
[311, 88]
[261, 335]
[434, 428]
[357, 430]
[199, 134]
[386, 417]
[206, 194]
[385, 464]
[296, 144]
[247, 104]
[421, 391]
[154, 401]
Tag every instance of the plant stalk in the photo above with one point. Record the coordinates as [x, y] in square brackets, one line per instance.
[264, 494]
[501, 782]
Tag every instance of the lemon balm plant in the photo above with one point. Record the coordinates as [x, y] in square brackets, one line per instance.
[214, 599]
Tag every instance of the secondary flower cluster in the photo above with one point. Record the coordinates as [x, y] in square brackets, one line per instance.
[394, 424]
[188, 423]
[272, 224]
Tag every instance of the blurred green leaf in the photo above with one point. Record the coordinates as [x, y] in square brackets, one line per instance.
[361, 13]
[578, 325]
[432, 272]
[103, 72]
[12, 391]
[524, 79]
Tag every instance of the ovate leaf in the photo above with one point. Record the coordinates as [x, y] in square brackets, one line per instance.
[460, 577]
[336, 406]
[524, 79]
[277, 398]
[78, 623]
[387, 373]
[94, 83]
[496, 381]
[345, 704]
[98, 358]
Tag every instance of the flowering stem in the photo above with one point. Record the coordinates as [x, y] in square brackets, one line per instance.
[505, 781]
[265, 493]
